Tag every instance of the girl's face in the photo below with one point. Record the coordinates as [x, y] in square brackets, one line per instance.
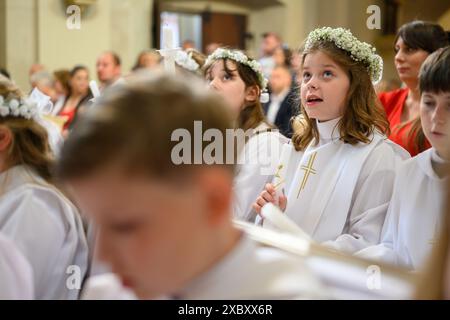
[435, 118]
[228, 84]
[408, 61]
[324, 87]
[80, 81]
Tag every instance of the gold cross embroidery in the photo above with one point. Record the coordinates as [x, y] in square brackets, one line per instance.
[308, 171]
[278, 175]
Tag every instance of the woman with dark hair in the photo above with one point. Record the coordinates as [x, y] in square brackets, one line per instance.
[414, 42]
[79, 94]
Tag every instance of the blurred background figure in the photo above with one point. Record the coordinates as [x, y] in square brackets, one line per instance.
[211, 47]
[62, 88]
[79, 95]
[36, 67]
[43, 81]
[109, 69]
[283, 103]
[271, 42]
[148, 59]
[188, 44]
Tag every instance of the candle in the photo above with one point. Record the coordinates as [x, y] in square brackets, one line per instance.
[167, 38]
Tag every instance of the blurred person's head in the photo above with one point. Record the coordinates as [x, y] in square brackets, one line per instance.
[161, 222]
[79, 80]
[413, 43]
[44, 82]
[188, 44]
[108, 67]
[282, 57]
[271, 41]
[62, 79]
[211, 47]
[148, 59]
[280, 79]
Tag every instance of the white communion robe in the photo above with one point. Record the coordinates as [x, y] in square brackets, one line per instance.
[339, 193]
[247, 272]
[415, 215]
[47, 229]
[257, 162]
[16, 275]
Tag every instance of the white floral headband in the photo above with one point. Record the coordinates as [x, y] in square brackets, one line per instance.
[359, 51]
[24, 108]
[240, 57]
[184, 60]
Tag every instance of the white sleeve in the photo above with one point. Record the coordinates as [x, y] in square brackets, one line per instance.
[16, 275]
[370, 201]
[385, 251]
[35, 226]
[262, 156]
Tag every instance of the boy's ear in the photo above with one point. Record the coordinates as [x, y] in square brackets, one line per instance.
[5, 138]
[217, 186]
[252, 94]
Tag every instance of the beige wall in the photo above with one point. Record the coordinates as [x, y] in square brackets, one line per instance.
[42, 35]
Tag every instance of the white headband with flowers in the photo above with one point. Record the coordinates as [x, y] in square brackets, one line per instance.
[359, 51]
[184, 60]
[240, 57]
[24, 108]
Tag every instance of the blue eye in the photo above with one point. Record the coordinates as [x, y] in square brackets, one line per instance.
[327, 74]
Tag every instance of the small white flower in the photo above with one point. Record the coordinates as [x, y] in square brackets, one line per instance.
[4, 111]
[359, 51]
[240, 57]
[13, 104]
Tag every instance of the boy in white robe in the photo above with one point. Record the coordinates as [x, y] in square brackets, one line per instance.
[415, 215]
[335, 179]
[165, 225]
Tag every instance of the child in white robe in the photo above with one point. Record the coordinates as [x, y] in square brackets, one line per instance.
[415, 214]
[335, 178]
[240, 80]
[165, 225]
[44, 225]
[16, 275]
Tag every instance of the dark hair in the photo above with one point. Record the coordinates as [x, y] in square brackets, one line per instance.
[423, 35]
[434, 74]
[133, 126]
[63, 76]
[5, 72]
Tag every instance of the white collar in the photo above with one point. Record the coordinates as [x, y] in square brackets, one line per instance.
[219, 274]
[426, 159]
[328, 130]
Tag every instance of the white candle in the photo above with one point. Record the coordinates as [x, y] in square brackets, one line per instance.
[167, 38]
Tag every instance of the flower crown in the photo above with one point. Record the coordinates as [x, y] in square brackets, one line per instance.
[239, 57]
[359, 51]
[184, 60]
[24, 108]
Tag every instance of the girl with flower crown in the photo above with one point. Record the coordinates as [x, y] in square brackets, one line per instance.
[34, 214]
[240, 80]
[415, 216]
[335, 178]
